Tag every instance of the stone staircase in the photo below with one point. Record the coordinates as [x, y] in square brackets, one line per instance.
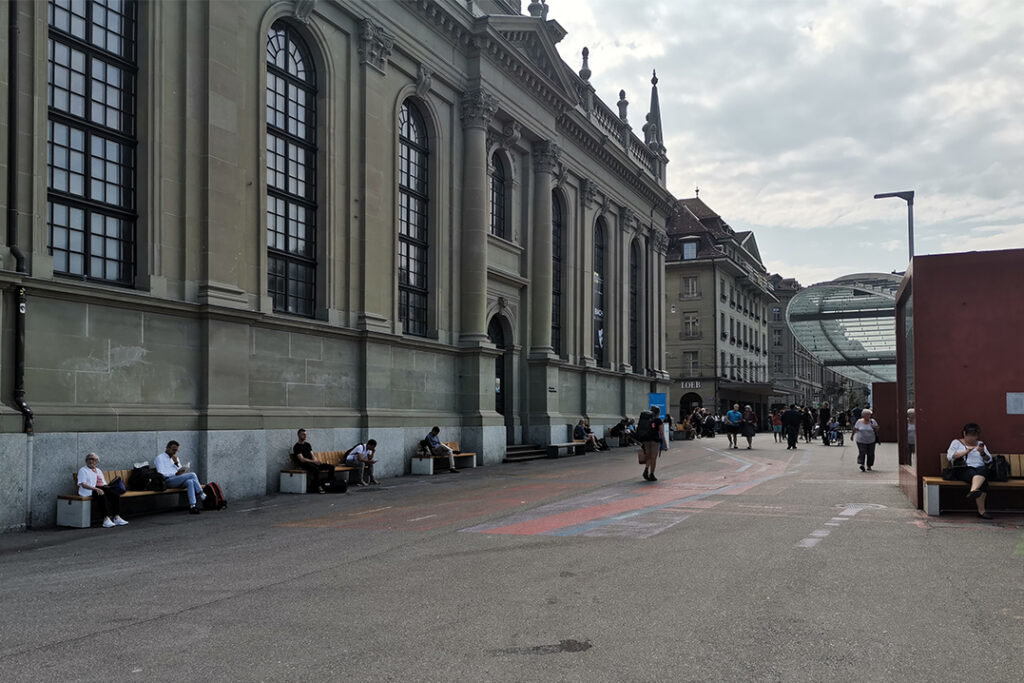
[523, 452]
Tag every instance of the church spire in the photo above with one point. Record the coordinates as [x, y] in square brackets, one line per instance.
[652, 129]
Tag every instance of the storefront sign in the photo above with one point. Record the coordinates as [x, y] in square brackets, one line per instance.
[692, 384]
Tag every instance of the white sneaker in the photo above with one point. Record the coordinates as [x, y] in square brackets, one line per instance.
[119, 522]
[202, 496]
[107, 523]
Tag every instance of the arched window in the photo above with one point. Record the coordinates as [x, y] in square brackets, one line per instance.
[413, 188]
[291, 172]
[557, 227]
[497, 196]
[599, 273]
[634, 306]
[91, 139]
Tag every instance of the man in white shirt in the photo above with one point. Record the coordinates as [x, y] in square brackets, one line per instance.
[361, 456]
[178, 475]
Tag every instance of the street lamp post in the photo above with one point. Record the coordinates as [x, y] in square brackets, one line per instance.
[909, 197]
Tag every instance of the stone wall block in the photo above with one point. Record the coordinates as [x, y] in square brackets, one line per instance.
[55, 459]
[237, 460]
[14, 481]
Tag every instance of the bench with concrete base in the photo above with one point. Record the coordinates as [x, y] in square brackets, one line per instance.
[555, 450]
[933, 485]
[423, 462]
[76, 511]
[295, 481]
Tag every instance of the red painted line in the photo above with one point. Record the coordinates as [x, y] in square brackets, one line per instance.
[575, 517]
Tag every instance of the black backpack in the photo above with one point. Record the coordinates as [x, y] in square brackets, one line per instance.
[215, 499]
[645, 427]
[999, 469]
[146, 478]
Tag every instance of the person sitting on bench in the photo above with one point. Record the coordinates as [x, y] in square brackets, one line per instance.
[438, 448]
[316, 471]
[975, 459]
[579, 433]
[178, 475]
[91, 483]
[361, 457]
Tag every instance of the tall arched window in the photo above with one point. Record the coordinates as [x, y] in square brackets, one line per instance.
[634, 306]
[599, 274]
[413, 191]
[291, 172]
[557, 227]
[91, 139]
[497, 196]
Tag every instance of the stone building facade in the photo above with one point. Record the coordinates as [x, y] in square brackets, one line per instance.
[718, 297]
[227, 220]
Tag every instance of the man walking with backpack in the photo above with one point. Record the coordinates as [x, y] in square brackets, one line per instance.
[648, 432]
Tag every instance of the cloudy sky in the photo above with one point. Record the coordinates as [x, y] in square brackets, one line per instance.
[791, 114]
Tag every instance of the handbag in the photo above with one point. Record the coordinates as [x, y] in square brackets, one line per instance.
[999, 469]
[950, 473]
[118, 484]
[641, 456]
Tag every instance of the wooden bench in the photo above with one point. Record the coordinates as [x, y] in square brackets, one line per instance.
[570, 447]
[294, 480]
[933, 485]
[76, 511]
[423, 461]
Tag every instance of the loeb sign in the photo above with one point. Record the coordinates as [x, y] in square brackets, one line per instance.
[692, 384]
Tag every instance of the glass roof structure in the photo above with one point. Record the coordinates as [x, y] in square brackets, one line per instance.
[849, 325]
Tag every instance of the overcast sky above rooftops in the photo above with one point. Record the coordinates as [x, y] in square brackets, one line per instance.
[791, 114]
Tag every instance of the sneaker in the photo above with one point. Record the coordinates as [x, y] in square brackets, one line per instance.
[453, 471]
[107, 523]
[193, 510]
[862, 468]
[375, 482]
[202, 496]
[360, 483]
[118, 521]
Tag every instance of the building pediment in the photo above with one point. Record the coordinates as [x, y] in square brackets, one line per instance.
[533, 42]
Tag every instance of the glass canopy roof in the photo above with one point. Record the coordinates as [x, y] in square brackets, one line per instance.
[849, 325]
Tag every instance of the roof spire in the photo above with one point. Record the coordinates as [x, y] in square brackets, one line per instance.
[652, 129]
[585, 71]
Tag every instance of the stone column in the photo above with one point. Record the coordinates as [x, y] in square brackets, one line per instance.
[478, 107]
[545, 162]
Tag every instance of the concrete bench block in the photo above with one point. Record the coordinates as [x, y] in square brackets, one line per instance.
[76, 513]
[293, 482]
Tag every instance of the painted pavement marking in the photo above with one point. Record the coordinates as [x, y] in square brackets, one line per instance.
[849, 511]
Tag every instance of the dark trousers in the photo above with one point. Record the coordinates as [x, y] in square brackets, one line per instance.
[317, 473]
[111, 500]
[866, 453]
[792, 434]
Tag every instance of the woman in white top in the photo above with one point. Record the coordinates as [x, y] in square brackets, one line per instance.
[92, 483]
[865, 435]
[974, 471]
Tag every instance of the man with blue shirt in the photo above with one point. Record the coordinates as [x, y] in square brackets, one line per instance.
[733, 424]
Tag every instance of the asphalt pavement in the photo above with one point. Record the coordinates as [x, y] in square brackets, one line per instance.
[737, 565]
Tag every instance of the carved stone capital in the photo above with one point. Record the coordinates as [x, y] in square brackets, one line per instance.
[546, 157]
[659, 241]
[375, 45]
[588, 188]
[628, 218]
[478, 108]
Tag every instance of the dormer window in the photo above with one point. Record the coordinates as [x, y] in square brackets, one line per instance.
[689, 250]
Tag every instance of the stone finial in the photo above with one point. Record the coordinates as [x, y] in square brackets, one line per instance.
[585, 71]
[654, 77]
[623, 104]
[544, 14]
[536, 9]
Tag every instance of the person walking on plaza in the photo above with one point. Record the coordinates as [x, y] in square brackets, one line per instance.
[865, 435]
[807, 420]
[177, 475]
[92, 483]
[438, 448]
[777, 425]
[791, 421]
[824, 418]
[733, 424]
[974, 470]
[316, 471]
[749, 426]
[651, 441]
